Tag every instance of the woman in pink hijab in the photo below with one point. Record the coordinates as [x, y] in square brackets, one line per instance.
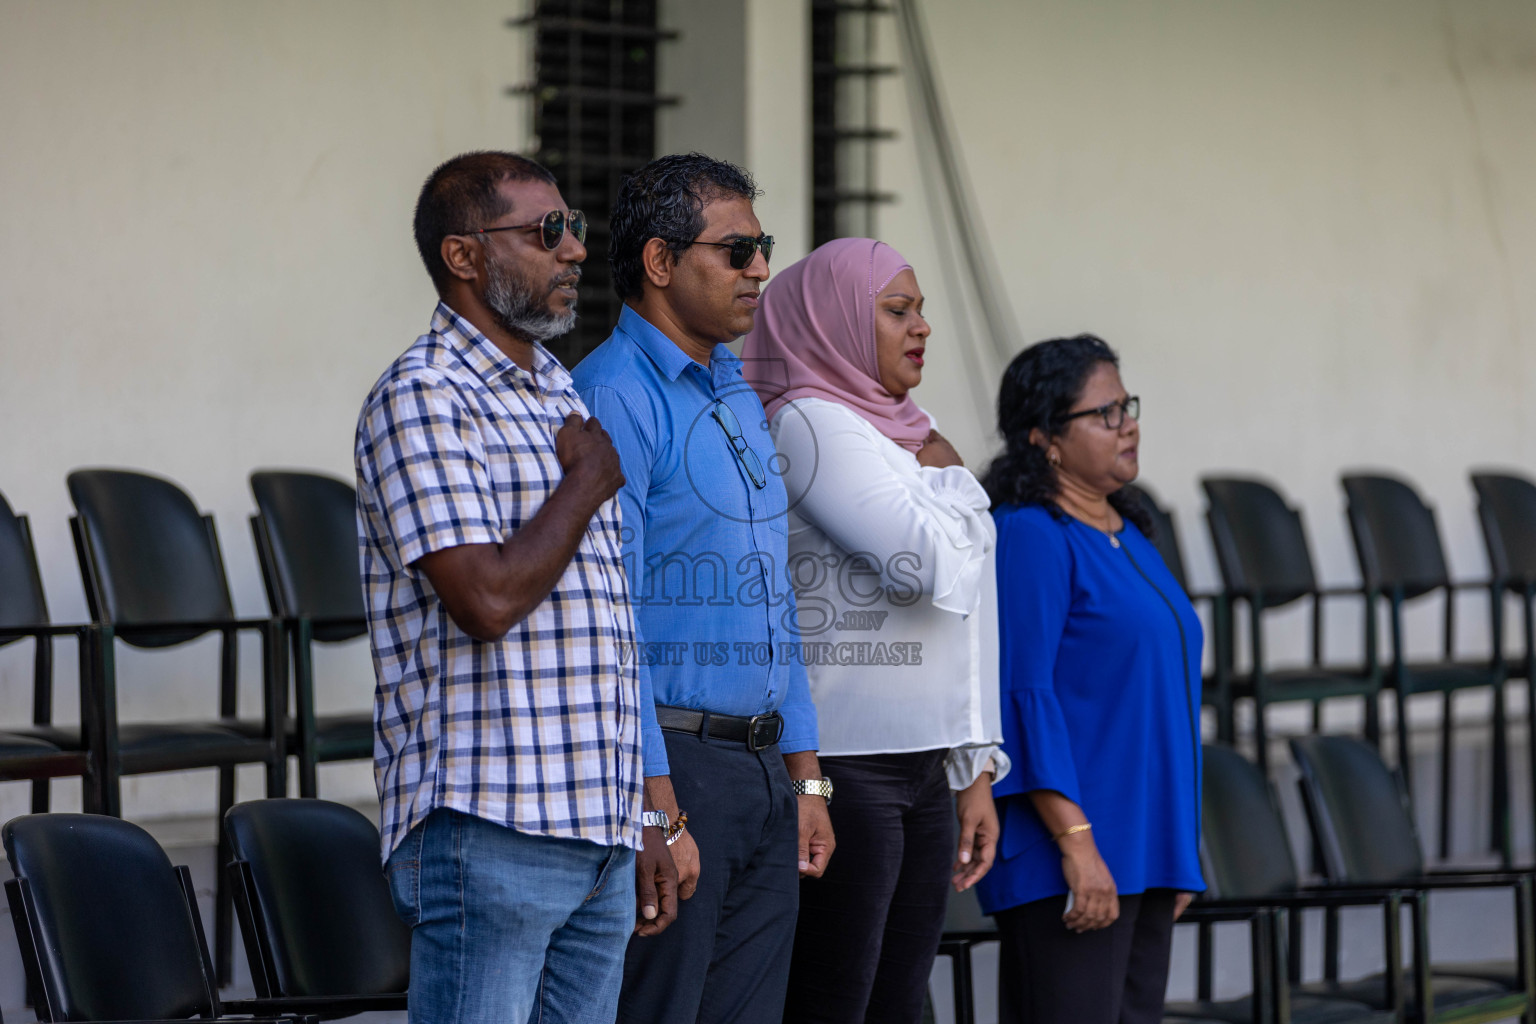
[891, 558]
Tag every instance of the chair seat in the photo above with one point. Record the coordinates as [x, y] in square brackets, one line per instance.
[1442, 676]
[1305, 1009]
[342, 737]
[22, 745]
[1306, 684]
[1449, 991]
[163, 746]
[1505, 973]
[31, 757]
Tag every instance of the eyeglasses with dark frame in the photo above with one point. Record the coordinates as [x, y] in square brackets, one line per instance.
[553, 225]
[1129, 406]
[742, 249]
[744, 453]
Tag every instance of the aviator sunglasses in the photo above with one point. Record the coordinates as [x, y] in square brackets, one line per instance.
[742, 249]
[553, 226]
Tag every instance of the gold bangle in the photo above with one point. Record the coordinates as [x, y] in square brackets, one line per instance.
[1084, 827]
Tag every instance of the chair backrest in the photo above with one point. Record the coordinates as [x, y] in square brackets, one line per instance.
[1164, 536]
[1246, 853]
[1260, 543]
[306, 535]
[1506, 504]
[1358, 811]
[105, 920]
[21, 586]
[1396, 539]
[315, 903]
[147, 554]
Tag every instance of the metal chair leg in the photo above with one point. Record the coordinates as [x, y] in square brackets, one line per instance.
[1260, 738]
[1502, 840]
[965, 996]
[1404, 751]
[1447, 739]
[223, 899]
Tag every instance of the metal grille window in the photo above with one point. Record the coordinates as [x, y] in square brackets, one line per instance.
[594, 118]
[845, 126]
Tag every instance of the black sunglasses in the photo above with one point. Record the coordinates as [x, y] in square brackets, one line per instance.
[742, 250]
[744, 453]
[553, 225]
[1113, 414]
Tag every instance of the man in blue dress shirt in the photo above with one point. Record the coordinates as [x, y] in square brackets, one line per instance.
[705, 547]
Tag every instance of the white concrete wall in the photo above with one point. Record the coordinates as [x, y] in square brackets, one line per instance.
[1309, 227]
[205, 261]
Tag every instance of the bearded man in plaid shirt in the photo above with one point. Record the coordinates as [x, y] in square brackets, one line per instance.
[509, 711]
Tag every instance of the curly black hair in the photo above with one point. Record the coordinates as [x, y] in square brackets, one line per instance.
[1039, 389]
[666, 199]
[464, 193]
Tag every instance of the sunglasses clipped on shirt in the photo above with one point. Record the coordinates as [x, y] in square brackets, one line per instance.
[742, 249]
[553, 226]
[1113, 413]
[744, 453]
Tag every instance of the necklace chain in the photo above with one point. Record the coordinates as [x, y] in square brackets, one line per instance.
[1107, 531]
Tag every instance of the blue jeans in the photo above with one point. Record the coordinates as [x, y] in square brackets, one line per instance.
[509, 927]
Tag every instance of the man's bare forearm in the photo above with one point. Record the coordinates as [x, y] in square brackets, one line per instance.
[489, 588]
[803, 765]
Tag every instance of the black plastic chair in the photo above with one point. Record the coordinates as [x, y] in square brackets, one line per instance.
[1506, 507]
[1215, 689]
[154, 578]
[965, 928]
[1248, 864]
[318, 921]
[1262, 551]
[23, 616]
[306, 538]
[1398, 547]
[108, 930]
[1364, 828]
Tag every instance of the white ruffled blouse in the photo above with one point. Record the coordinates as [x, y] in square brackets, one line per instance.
[892, 564]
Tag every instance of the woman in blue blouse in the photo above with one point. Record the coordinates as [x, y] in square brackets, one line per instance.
[1100, 824]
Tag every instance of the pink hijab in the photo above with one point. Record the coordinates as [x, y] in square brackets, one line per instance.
[815, 337]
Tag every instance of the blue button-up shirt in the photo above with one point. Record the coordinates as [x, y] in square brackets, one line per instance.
[705, 548]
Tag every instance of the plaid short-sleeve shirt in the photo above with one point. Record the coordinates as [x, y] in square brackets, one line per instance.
[539, 731]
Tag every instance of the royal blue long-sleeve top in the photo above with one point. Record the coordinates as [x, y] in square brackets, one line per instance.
[1100, 684]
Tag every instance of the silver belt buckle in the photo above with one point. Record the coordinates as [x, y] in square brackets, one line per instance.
[764, 720]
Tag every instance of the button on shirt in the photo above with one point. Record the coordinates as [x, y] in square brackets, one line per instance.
[541, 730]
[706, 549]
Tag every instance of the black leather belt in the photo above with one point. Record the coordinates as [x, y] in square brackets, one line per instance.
[756, 732]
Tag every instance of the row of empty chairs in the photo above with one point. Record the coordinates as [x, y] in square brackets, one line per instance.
[154, 578]
[109, 930]
[1265, 563]
[1370, 858]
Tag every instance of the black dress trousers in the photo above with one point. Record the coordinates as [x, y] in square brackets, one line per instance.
[725, 960]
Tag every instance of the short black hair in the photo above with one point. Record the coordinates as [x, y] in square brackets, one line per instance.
[1038, 391]
[464, 194]
[666, 199]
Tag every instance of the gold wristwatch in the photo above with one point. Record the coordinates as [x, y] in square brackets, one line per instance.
[812, 787]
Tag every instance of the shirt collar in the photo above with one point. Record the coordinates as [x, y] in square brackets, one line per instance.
[489, 361]
[668, 357]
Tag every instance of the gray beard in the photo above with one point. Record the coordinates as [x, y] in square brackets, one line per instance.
[519, 310]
